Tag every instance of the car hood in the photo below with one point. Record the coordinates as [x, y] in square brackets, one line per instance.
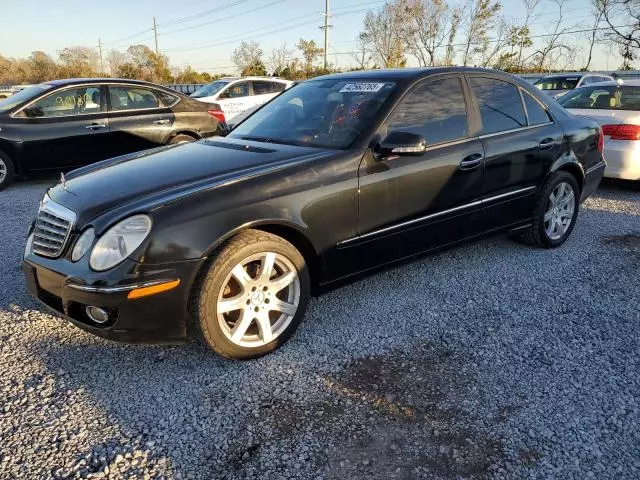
[153, 176]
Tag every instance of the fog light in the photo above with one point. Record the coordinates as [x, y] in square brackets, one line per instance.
[98, 315]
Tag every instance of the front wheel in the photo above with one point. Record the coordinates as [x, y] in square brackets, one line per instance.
[253, 297]
[555, 212]
[6, 170]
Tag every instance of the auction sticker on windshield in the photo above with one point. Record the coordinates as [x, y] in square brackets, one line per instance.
[361, 87]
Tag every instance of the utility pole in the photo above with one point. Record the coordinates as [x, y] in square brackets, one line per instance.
[101, 64]
[326, 28]
[155, 34]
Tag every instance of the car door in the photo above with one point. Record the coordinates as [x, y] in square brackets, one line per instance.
[67, 128]
[235, 98]
[409, 204]
[520, 141]
[138, 119]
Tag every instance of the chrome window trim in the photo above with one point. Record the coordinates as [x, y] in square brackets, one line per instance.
[94, 84]
[513, 130]
[61, 89]
[435, 215]
[124, 288]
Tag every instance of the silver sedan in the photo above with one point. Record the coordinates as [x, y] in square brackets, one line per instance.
[616, 106]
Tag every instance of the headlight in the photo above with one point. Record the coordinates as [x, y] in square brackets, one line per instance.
[82, 245]
[119, 242]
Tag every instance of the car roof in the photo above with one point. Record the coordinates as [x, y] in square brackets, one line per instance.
[611, 83]
[254, 77]
[74, 81]
[407, 73]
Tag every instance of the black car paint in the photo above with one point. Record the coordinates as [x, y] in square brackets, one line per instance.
[69, 142]
[347, 211]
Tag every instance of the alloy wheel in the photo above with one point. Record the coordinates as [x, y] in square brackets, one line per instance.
[559, 213]
[3, 170]
[258, 299]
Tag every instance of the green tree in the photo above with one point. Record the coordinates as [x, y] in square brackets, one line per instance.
[310, 52]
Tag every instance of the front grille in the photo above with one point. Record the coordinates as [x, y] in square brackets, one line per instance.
[52, 228]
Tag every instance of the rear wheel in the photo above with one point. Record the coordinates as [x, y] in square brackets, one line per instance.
[7, 170]
[555, 212]
[253, 296]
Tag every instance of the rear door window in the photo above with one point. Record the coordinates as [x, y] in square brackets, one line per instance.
[132, 98]
[536, 113]
[264, 87]
[436, 111]
[500, 104]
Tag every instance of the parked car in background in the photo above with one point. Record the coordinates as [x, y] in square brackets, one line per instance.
[65, 124]
[558, 84]
[336, 176]
[236, 95]
[616, 107]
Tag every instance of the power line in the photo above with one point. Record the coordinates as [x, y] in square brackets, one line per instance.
[201, 14]
[222, 19]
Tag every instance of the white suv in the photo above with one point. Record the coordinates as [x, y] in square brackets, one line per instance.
[236, 95]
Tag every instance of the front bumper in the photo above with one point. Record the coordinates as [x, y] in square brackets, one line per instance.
[159, 318]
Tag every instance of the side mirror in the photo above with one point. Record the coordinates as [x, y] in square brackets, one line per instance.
[400, 144]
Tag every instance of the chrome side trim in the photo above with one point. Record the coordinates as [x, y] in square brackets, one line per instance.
[126, 288]
[596, 167]
[508, 194]
[435, 215]
[520, 129]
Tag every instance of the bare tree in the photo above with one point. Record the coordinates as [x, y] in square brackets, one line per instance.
[492, 50]
[248, 57]
[481, 19]
[115, 59]
[429, 25]
[362, 53]
[593, 36]
[623, 21]
[382, 32]
[78, 61]
[554, 48]
[279, 59]
[310, 52]
[456, 18]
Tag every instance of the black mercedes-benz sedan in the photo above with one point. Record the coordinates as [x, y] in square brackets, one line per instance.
[66, 124]
[228, 237]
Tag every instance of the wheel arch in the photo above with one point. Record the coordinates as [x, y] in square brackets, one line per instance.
[570, 166]
[189, 133]
[287, 230]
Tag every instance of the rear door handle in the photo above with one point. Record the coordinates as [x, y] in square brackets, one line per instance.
[95, 126]
[161, 122]
[546, 144]
[471, 162]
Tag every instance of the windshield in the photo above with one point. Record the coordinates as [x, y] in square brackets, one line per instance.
[557, 83]
[209, 89]
[317, 113]
[612, 97]
[22, 96]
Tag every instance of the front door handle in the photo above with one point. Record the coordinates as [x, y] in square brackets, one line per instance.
[471, 162]
[161, 122]
[95, 126]
[546, 144]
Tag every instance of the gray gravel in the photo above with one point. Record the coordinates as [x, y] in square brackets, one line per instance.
[493, 360]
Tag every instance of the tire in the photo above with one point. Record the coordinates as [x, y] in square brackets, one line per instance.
[538, 233]
[7, 170]
[182, 138]
[225, 307]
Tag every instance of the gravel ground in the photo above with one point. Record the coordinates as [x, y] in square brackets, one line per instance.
[493, 360]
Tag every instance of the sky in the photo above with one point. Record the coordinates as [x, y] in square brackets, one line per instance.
[204, 33]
